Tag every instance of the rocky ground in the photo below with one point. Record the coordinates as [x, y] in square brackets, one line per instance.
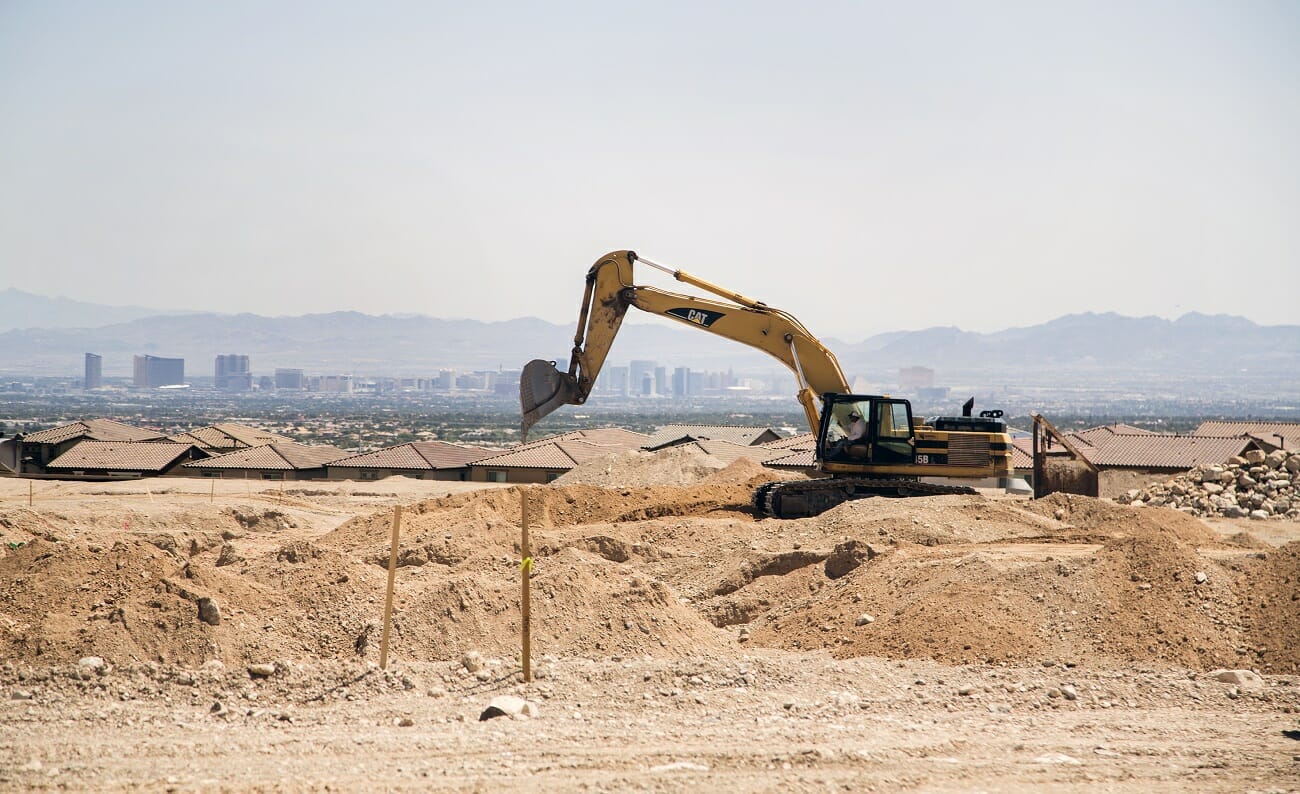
[168, 636]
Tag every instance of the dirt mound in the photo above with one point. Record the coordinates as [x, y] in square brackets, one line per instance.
[682, 465]
[661, 571]
[1270, 595]
[934, 520]
[1115, 520]
[1144, 595]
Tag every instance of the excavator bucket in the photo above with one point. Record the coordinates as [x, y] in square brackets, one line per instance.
[542, 389]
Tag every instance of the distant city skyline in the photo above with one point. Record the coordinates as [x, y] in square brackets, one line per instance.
[868, 167]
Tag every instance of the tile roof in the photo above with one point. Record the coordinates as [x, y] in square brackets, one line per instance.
[282, 457]
[228, 435]
[736, 434]
[613, 436]
[798, 459]
[1264, 431]
[801, 441]
[423, 455]
[729, 452]
[1098, 435]
[95, 429]
[155, 456]
[1162, 451]
[562, 454]
[1022, 452]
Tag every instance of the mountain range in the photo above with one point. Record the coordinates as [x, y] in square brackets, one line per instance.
[1073, 346]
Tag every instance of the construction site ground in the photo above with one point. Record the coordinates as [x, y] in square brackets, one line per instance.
[196, 635]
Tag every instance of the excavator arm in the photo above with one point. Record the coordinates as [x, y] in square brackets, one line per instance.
[611, 290]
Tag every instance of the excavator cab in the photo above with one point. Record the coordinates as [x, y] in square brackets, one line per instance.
[886, 439]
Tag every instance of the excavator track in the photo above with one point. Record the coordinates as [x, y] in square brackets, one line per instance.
[803, 498]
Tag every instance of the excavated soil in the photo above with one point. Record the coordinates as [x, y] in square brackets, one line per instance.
[651, 578]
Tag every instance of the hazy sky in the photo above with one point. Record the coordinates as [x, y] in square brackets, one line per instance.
[868, 166]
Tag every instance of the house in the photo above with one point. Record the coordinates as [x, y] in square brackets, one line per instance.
[32, 452]
[420, 460]
[543, 460]
[283, 461]
[670, 435]
[794, 453]
[228, 437]
[1127, 457]
[89, 459]
[1269, 435]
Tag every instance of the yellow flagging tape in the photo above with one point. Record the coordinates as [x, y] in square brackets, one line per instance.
[527, 565]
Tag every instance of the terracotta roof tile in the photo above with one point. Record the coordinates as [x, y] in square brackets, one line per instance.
[736, 434]
[1264, 431]
[799, 459]
[272, 457]
[144, 456]
[423, 455]
[1162, 451]
[801, 441]
[564, 454]
[94, 429]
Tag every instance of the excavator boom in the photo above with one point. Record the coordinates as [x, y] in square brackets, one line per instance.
[611, 290]
[892, 456]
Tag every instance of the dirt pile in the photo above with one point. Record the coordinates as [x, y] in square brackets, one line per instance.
[679, 465]
[1258, 486]
[663, 571]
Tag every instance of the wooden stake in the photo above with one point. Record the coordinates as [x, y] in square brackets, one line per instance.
[29, 493]
[526, 568]
[388, 599]
[212, 494]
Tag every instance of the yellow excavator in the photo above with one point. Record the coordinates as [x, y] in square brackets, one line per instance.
[866, 445]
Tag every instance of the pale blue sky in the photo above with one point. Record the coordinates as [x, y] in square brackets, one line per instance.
[988, 164]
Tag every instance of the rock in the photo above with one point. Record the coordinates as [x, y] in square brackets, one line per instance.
[20, 694]
[472, 661]
[228, 555]
[1212, 488]
[1246, 679]
[1275, 459]
[1293, 464]
[680, 766]
[846, 557]
[214, 667]
[1259, 515]
[93, 664]
[209, 612]
[509, 706]
[864, 619]
[1254, 456]
[1233, 511]
[262, 670]
[1202, 577]
[966, 691]
[1069, 692]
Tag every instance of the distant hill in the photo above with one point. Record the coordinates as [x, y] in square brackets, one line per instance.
[1076, 347]
[20, 309]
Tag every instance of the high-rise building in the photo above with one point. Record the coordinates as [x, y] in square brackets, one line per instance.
[94, 371]
[641, 378]
[154, 371]
[681, 382]
[289, 379]
[232, 373]
[614, 380]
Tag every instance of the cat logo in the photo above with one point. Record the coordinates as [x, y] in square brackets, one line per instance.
[702, 317]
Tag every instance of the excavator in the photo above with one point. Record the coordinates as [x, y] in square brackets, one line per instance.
[887, 457]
